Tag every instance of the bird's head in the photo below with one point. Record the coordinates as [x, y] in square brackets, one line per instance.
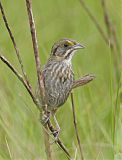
[64, 49]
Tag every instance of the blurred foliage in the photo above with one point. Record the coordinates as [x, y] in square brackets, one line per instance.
[98, 107]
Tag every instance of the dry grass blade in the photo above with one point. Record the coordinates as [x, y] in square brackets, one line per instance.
[14, 44]
[75, 126]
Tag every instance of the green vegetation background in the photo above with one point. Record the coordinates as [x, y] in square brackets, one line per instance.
[98, 109]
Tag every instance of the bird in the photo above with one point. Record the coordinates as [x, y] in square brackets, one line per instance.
[58, 77]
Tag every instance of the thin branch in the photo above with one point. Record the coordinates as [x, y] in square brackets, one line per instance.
[88, 11]
[19, 76]
[83, 80]
[14, 44]
[75, 126]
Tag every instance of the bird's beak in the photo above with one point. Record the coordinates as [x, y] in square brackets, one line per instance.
[78, 46]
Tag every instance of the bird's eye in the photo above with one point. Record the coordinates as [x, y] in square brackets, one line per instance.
[65, 45]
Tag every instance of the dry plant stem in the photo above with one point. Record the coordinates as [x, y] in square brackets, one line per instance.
[75, 126]
[38, 69]
[14, 44]
[83, 80]
[86, 8]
